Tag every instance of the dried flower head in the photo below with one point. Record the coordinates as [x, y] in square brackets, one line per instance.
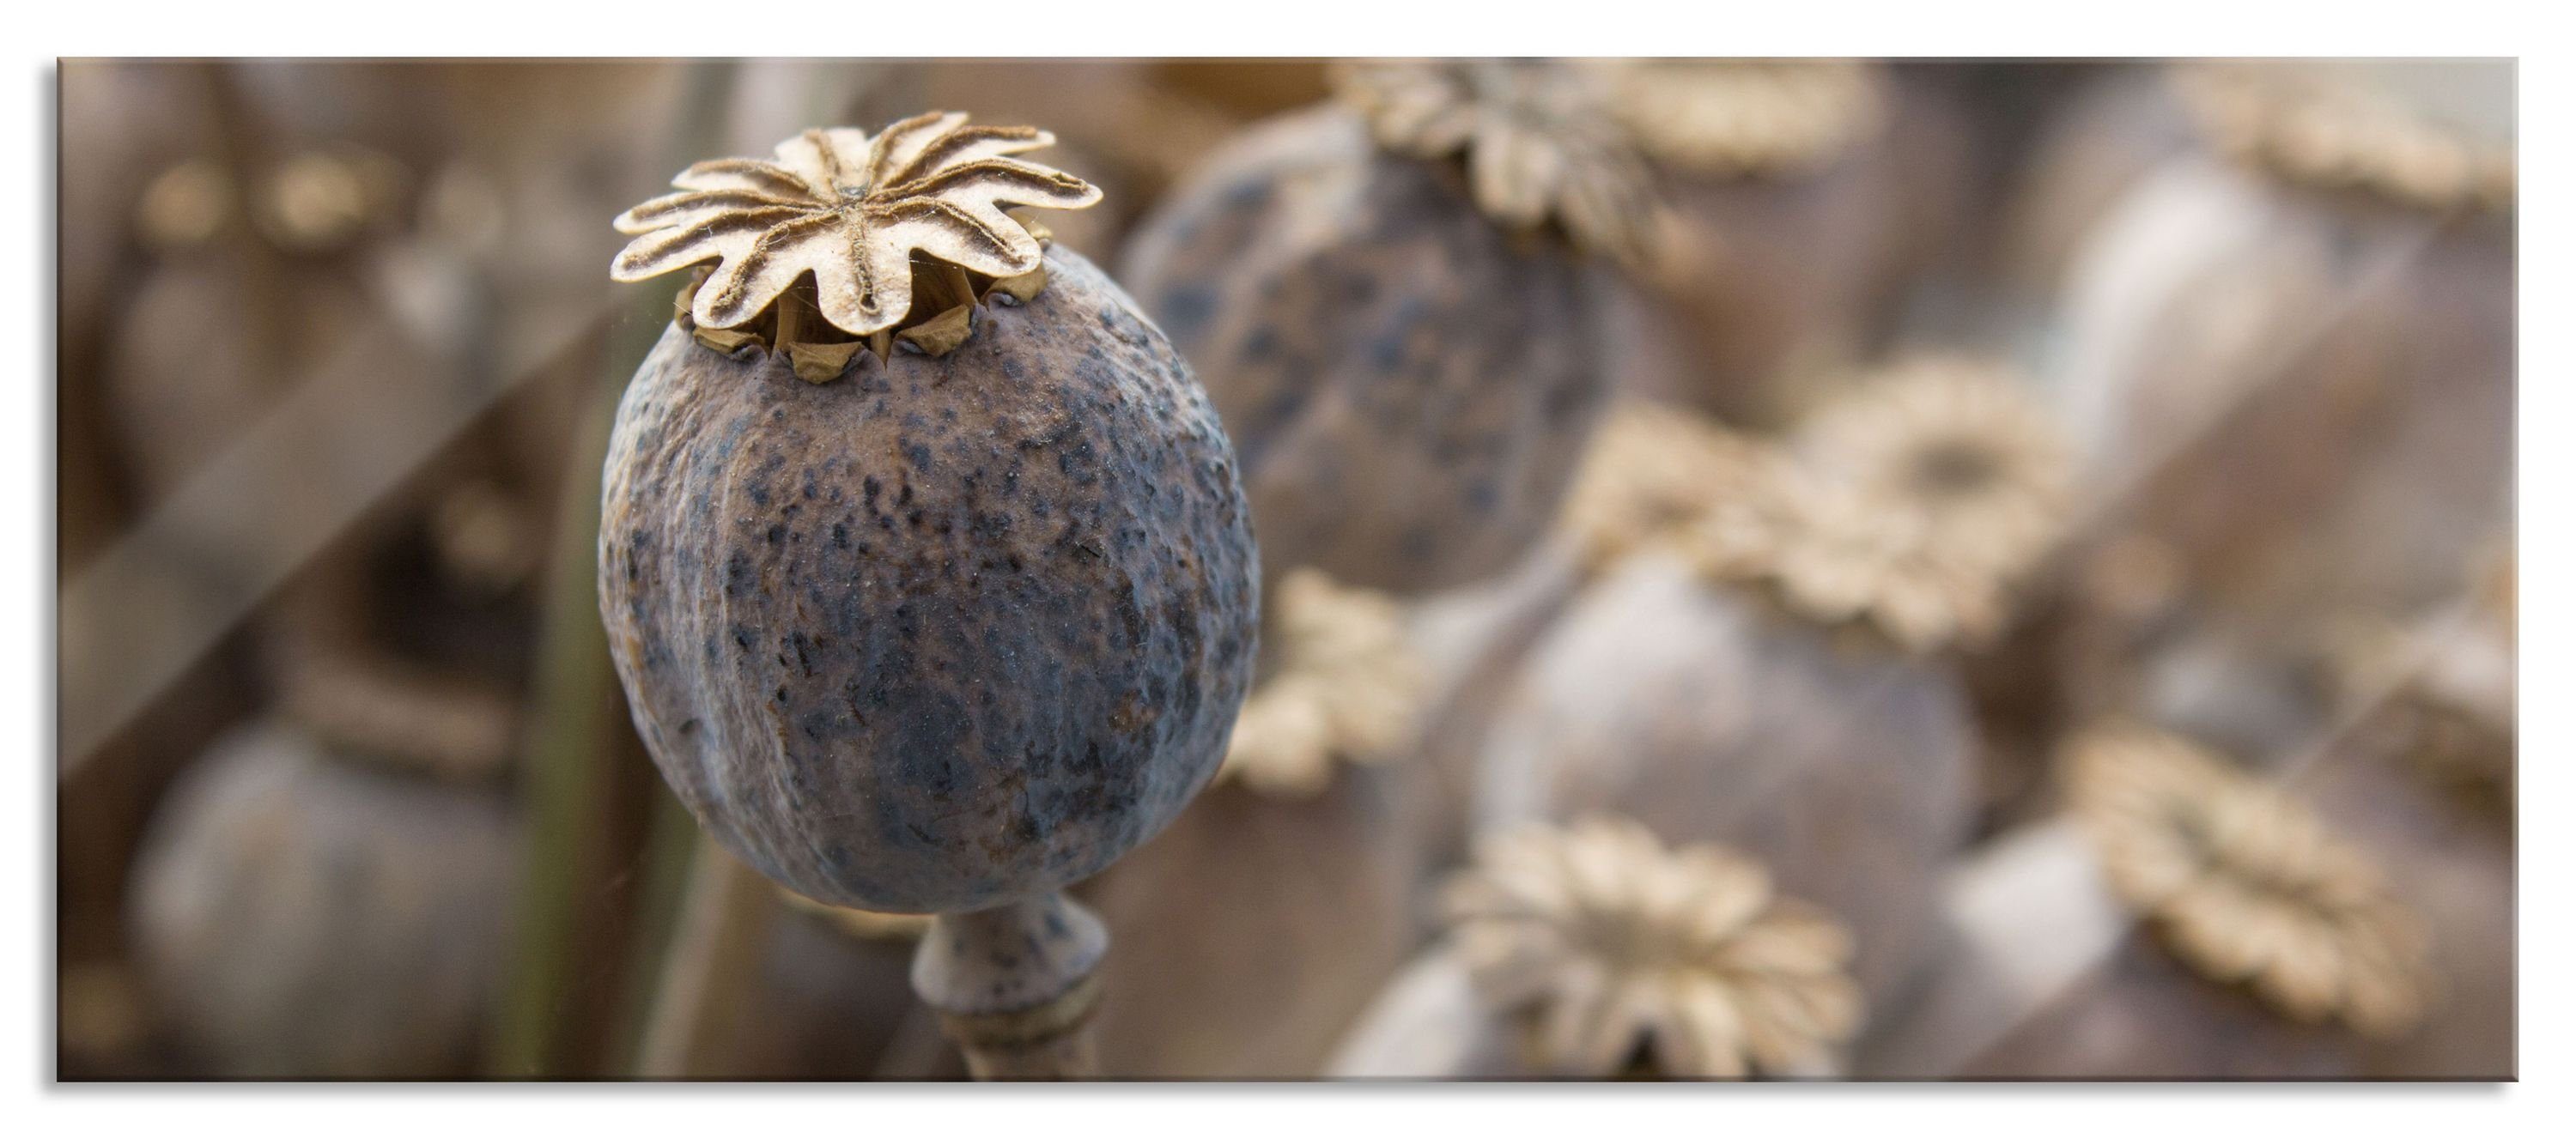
[312, 202]
[2306, 126]
[1348, 688]
[322, 200]
[1836, 553]
[1748, 117]
[185, 205]
[1537, 138]
[2245, 883]
[1611, 940]
[1650, 471]
[1961, 442]
[861, 215]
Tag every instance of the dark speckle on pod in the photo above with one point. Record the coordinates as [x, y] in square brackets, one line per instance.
[1408, 383]
[947, 631]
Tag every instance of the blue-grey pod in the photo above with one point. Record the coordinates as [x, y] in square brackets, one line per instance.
[944, 621]
[1397, 321]
[306, 910]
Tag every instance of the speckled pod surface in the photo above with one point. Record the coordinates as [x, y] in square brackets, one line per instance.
[1795, 273]
[1847, 769]
[1408, 385]
[300, 916]
[943, 632]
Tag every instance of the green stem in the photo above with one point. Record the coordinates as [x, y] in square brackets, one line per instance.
[570, 775]
[713, 963]
[572, 725]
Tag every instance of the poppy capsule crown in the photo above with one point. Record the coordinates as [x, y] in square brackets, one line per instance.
[878, 226]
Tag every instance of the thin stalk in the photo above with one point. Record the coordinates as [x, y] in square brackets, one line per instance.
[562, 770]
[669, 857]
[1016, 986]
[570, 766]
[714, 959]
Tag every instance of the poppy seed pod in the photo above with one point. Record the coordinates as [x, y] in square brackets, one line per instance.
[930, 580]
[2208, 922]
[1709, 718]
[1807, 194]
[1387, 302]
[1594, 950]
[1760, 653]
[2299, 335]
[304, 911]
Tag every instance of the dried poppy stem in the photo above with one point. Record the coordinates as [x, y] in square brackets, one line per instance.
[715, 956]
[1015, 986]
[569, 764]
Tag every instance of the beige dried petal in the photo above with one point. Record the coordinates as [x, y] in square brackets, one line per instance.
[941, 334]
[1836, 1003]
[2151, 867]
[1653, 472]
[1731, 118]
[2244, 882]
[1676, 1045]
[1348, 687]
[1836, 550]
[1707, 1040]
[2299, 123]
[1790, 942]
[1773, 1034]
[866, 925]
[1614, 937]
[1512, 889]
[1537, 139]
[852, 212]
[1281, 744]
[1513, 173]
[1666, 894]
[822, 363]
[1601, 870]
[1964, 443]
[2382, 997]
[1575, 1015]
[1734, 895]
[2306, 974]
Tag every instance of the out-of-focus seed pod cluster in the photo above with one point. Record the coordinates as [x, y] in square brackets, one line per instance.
[1679, 569]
